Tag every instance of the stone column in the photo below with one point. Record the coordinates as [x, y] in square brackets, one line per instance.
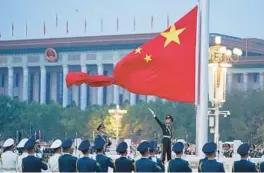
[10, 81]
[100, 71]
[25, 83]
[43, 80]
[229, 82]
[132, 99]
[65, 90]
[261, 80]
[36, 92]
[53, 86]
[75, 94]
[83, 90]
[245, 81]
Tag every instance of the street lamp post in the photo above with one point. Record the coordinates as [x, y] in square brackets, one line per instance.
[219, 61]
[117, 113]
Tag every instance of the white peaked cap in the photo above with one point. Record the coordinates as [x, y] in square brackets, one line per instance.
[56, 144]
[181, 140]
[21, 144]
[9, 142]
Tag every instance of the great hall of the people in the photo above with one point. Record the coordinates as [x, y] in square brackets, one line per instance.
[34, 70]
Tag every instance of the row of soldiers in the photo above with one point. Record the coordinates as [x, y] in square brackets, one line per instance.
[64, 161]
[148, 162]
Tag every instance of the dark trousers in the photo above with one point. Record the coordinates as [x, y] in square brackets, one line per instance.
[166, 149]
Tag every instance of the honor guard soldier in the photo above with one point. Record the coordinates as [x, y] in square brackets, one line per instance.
[101, 134]
[21, 146]
[178, 164]
[67, 162]
[144, 164]
[54, 160]
[152, 155]
[32, 163]
[9, 158]
[103, 160]
[86, 164]
[244, 165]
[210, 164]
[261, 167]
[167, 135]
[123, 164]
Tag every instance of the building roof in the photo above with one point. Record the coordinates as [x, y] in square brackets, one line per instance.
[129, 41]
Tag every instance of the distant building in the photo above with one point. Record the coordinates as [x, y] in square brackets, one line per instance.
[34, 70]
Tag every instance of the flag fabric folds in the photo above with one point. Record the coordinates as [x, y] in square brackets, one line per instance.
[163, 66]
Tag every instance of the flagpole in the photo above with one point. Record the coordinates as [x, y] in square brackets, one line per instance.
[197, 74]
[202, 111]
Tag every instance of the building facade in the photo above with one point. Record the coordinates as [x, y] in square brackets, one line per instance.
[35, 70]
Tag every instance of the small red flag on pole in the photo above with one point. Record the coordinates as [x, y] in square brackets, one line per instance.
[56, 20]
[117, 23]
[67, 27]
[168, 21]
[134, 23]
[44, 28]
[152, 22]
[26, 29]
[101, 25]
[85, 26]
[13, 28]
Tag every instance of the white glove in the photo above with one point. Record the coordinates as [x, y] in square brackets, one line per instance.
[152, 112]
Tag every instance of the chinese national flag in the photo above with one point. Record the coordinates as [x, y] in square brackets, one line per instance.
[163, 66]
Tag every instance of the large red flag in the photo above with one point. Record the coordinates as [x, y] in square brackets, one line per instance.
[163, 66]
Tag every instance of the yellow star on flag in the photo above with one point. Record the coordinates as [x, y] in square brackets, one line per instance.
[138, 50]
[147, 58]
[172, 35]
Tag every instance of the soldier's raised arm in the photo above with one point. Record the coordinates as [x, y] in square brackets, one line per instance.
[156, 118]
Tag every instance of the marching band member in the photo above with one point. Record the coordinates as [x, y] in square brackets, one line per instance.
[123, 164]
[152, 155]
[103, 160]
[54, 160]
[32, 163]
[9, 158]
[21, 145]
[178, 164]
[67, 162]
[86, 164]
[144, 164]
[210, 164]
[244, 165]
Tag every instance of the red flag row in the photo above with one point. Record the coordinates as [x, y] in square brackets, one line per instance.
[85, 25]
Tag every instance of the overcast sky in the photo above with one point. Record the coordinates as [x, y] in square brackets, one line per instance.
[240, 18]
